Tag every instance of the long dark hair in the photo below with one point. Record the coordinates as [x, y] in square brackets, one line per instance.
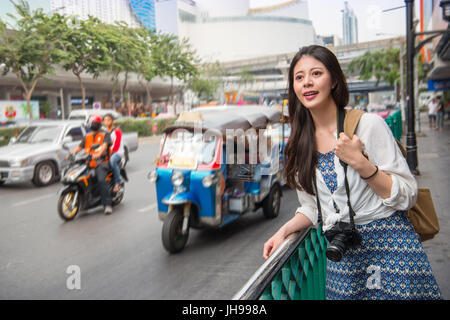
[301, 153]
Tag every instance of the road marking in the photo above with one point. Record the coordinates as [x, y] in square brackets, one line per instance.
[149, 208]
[140, 172]
[22, 203]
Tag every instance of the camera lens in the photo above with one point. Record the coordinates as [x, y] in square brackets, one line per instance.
[336, 248]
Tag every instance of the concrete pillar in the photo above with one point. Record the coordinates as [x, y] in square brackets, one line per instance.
[67, 103]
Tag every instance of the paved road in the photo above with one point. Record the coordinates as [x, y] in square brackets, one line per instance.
[121, 256]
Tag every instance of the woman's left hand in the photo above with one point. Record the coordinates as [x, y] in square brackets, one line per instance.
[349, 151]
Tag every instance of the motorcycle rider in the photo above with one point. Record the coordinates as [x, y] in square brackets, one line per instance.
[100, 157]
[117, 150]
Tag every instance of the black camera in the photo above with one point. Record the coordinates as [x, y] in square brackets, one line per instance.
[341, 237]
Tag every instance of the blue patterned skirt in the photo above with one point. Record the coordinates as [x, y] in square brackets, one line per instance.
[389, 264]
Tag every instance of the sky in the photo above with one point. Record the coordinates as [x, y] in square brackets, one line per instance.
[373, 24]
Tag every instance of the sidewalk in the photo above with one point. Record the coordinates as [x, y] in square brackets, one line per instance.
[433, 149]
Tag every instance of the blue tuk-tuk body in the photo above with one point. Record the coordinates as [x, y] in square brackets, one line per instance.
[199, 183]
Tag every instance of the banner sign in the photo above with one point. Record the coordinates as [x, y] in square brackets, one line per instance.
[17, 110]
[438, 85]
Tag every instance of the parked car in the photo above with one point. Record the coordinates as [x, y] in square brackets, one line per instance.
[38, 153]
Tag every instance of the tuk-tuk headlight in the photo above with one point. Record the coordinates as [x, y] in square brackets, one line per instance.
[152, 176]
[209, 180]
[177, 178]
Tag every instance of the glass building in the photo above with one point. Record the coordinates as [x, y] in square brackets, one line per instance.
[145, 12]
[136, 13]
[349, 25]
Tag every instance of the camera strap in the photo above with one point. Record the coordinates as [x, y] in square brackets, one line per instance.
[341, 119]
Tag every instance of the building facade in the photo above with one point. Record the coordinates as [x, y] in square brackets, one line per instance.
[228, 30]
[349, 25]
[136, 13]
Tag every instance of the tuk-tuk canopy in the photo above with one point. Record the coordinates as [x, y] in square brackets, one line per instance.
[228, 117]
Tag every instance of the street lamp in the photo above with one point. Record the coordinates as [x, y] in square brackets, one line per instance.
[445, 4]
[411, 51]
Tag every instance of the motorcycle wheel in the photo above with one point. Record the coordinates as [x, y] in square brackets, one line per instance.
[172, 238]
[67, 208]
[116, 199]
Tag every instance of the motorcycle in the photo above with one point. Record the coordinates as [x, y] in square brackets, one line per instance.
[81, 190]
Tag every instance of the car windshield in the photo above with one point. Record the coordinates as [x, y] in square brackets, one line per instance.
[36, 134]
[183, 146]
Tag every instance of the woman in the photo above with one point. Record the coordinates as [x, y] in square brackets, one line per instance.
[390, 262]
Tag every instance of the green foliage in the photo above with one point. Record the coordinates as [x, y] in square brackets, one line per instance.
[45, 108]
[31, 51]
[85, 48]
[383, 65]
[207, 82]
[174, 59]
[41, 41]
[144, 127]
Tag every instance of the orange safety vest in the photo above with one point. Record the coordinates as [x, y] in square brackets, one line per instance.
[90, 140]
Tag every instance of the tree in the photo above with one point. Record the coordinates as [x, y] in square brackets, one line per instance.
[31, 50]
[148, 68]
[383, 65]
[126, 49]
[86, 50]
[208, 80]
[175, 59]
[245, 77]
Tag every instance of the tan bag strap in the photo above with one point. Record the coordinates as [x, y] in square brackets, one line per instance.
[351, 122]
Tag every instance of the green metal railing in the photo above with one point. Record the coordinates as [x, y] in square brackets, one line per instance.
[295, 271]
[394, 122]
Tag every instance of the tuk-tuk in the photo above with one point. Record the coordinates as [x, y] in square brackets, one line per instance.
[216, 164]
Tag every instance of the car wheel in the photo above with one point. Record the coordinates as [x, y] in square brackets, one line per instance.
[271, 205]
[44, 174]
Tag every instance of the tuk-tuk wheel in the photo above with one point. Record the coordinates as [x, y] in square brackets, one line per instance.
[271, 204]
[172, 237]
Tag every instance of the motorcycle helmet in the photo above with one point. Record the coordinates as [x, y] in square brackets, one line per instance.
[95, 122]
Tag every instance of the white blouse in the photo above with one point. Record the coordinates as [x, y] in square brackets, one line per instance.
[382, 149]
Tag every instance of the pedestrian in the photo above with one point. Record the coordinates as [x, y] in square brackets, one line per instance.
[439, 114]
[432, 106]
[390, 262]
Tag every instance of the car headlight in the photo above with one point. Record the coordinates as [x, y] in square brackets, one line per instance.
[177, 178]
[209, 180]
[152, 176]
[18, 163]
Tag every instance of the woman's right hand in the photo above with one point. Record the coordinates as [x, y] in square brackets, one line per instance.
[272, 244]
